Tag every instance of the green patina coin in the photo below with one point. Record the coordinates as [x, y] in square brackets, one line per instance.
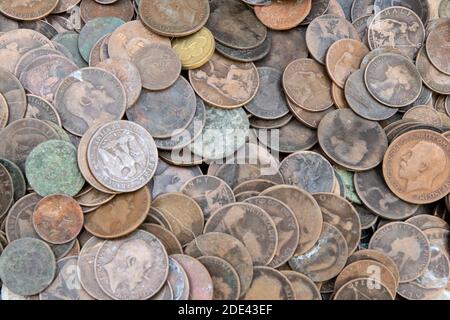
[347, 179]
[27, 266]
[20, 186]
[69, 40]
[225, 131]
[63, 135]
[93, 31]
[52, 168]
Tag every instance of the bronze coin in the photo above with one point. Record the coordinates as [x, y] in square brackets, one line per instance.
[308, 118]
[6, 191]
[306, 210]
[352, 142]
[14, 93]
[375, 194]
[166, 293]
[427, 221]
[122, 9]
[305, 288]
[167, 238]
[245, 55]
[407, 245]
[338, 95]
[4, 112]
[318, 8]
[424, 114]
[270, 124]
[325, 30]
[94, 198]
[58, 219]
[432, 77]
[415, 166]
[41, 109]
[283, 15]
[437, 47]
[27, 10]
[178, 279]
[30, 56]
[258, 185]
[174, 18]
[362, 27]
[363, 289]
[325, 259]
[156, 216]
[269, 284]
[99, 51]
[120, 216]
[421, 8]
[200, 281]
[303, 79]
[65, 6]
[225, 83]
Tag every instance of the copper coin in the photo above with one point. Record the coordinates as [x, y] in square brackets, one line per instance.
[235, 25]
[156, 216]
[67, 43]
[165, 113]
[388, 71]
[94, 198]
[424, 114]
[4, 112]
[18, 179]
[407, 245]
[432, 77]
[120, 216]
[139, 280]
[305, 288]
[58, 219]
[326, 30]
[338, 95]
[415, 166]
[335, 8]
[270, 124]
[437, 47]
[27, 10]
[122, 156]
[99, 51]
[6, 191]
[419, 7]
[14, 94]
[318, 8]
[306, 210]
[200, 281]
[178, 280]
[286, 224]
[65, 6]
[269, 284]
[352, 142]
[225, 83]
[30, 56]
[427, 221]
[167, 238]
[375, 194]
[303, 79]
[41, 109]
[283, 15]
[174, 18]
[362, 27]
[308, 118]
[258, 185]
[122, 9]
[250, 224]
[246, 55]
[363, 289]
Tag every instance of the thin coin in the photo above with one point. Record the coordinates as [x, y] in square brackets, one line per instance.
[18, 179]
[122, 9]
[194, 50]
[167, 238]
[246, 55]
[269, 284]
[283, 15]
[427, 221]
[178, 279]
[6, 190]
[14, 93]
[432, 77]
[424, 114]
[94, 198]
[155, 215]
[305, 288]
[27, 10]
[41, 109]
[363, 289]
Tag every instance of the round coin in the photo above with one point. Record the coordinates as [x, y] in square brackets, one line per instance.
[178, 279]
[305, 288]
[41, 109]
[167, 238]
[432, 77]
[194, 50]
[269, 284]
[27, 10]
[283, 15]
[18, 180]
[437, 46]
[14, 94]
[363, 289]
[6, 190]
[91, 9]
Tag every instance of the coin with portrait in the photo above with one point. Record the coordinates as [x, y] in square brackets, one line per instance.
[225, 279]
[27, 9]
[269, 284]
[305, 288]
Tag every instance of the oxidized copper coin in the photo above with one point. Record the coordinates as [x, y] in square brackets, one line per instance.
[27, 10]
[174, 18]
[178, 279]
[94, 198]
[7, 294]
[245, 55]
[304, 288]
[306, 210]
[416, 166]
[407, 245]
[270, 124]
[432, 77]
[65, 6]
[58, 219]
[120, 216]
[200, 281]
[303, 80]
[69, 41]
[334, 8]
[122, 9]
[99, 51]
[6, 191]
[424, 114]
[14, 93]
[363, 289]
[437, 47]
[167, 238]
[18, 179]
[41, 109]
[284, 14]
[225, 83]
[308, 118]
[421, 8]
[348, 185]
[352, 142]
[269, 284]
[132, 268]
[427, 221]
[318, 8]
[156, 216]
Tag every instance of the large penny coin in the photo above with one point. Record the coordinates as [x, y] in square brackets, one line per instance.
[269, 284]
[27, 10]
[91, 9]
[305, 288]
[283, 15]
[437, 47]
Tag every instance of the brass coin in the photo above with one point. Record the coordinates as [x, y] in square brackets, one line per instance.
[424, 114]
[305, 288]
[427, 221]
[167, 238]
[269, 284]
[194, 50]
[432, 77]
[283, 15]
[6, 191]
[41, 109]
[27, 10]
[363, 289]
[178, 279]
[122, 9]
[308, 118]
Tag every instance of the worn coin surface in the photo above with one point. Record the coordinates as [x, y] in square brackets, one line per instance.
[30, 56]
[308, 118]
[18, 179]
[91, 9]
[427, 221]
[269, 284]
[194, 50]
[7, 190]
[27, 10]
[283, 15]
[225, 279]
[167, 238]
[305, 288]
[437, 46]
[14, 94]
[431, 76]
[361, 289]
[69, 41]
[424, 114]
[318, 8]
[178, 279]
[270, 124]
[41, 109]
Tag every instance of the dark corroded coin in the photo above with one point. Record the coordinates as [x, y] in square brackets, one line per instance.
[393, 80]
[225, 278]
[366, 216]
[318, 8]
[269, 102]
[362, 102]
[309, 171]
[325, 259]
[167, 238]
[258, 185]
[348, 185]
[270, 124]
[14, 94]
[283, 15]
[52, 168]
[376, 195]
[87, 96]
[305, 288]
[15, 266]
[250, 224]
[432, 77]
[324, 31]
[235, 25]
[165, 113]
[269, 284]
[287, 227]
[27, 10]
[407, 245]
[122, 9]
[438, 47]
[69, 40]
[41, 109]
[178, 279]
[246, 55]
[18, 180]
[6, 190]
[364, 289]
[351, 141]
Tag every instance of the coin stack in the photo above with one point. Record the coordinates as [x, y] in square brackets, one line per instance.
[224, 149]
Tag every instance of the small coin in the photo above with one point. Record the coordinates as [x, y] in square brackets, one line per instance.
[18, 180]
[167, 238]
[27, 10]
[6, 190]
[122, 9]
[178, 279]
[69, 40]
[269, 284]
[318, 8]
[305, 288]
[400, 167]
[283, 15]
[432, 77]
[194, 50]
[120, 216]
[424, 114]
[41, 109]
[14, 94]
[225, 279]
[363, 289]
[426, 221]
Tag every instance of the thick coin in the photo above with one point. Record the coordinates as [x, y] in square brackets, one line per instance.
[363, 289]
[18, 180]
[167, 238]
[122, 9]
[27, 10]
[269, 284]
[178, 279]
[283, 15]
[194, 50]
[41, 109]
[432, 77]
[437, 47]
[14, 94]
[6, 190]
[305, 288]
[225, 279]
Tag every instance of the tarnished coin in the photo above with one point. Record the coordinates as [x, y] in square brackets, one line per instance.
[41, 109]
[156, 216]
[305, 288]
[52, 168]
[363, 289]
[14, 94]
[352, 142]
[346, 178]
[246, 55]
[283, 15]
[308, 118]
[174, 18]
[178, 279]
[424, 114]
[432, 77]
[243, 196]
[6, 190]
[444, 9]
[27, 10]
[303, 79]
[437, 47]
[427, 221]
[4, 112]
[119, 217]
[439, 237]
[69, 41]
[416, 166]
[18, 179]
[167, 112]
[41, 26]
[318, 8]
[269, 284]
[417, 6]
[94, 198]
[225, 279]
[375, 194]
[407, 245]
[362, 27]
[270, 124]
[335, 8]
[306, 210]
[65, 6]
[99, 51]
[91, 9]
[166, 293]
[225, 83]
[388, 71]
[167, 238]
[15, 270]
[194, 50]
[258, 185]
[32, 55]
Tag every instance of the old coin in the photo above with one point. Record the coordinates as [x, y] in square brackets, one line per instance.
[362, 27]
[407, 245]
[156, 216]
[69, 41]
[308, 118]
[194, 50]
[363, 289]
[243, 196]
[419, 7]
[427, 221]
[302, 80]
[41, 26]
[439, 237]
[4, 112]
[348, 185]
[15, 270]
[270, 124]
[178, 279]
[375, 194]
[122, 9]
[366, 216]
[269, 284]
[283, 15]
[14, 94]
[246, 55]
[52, 168]
[62, 134]
[305, 288]
[99, 51]
[424, 114]
[30, 56]
[415, 166]
[6, 190]
[167, 238]
[120, 216]
[225, 279]
[94, 198]
[318, 8]
[18, 180]
[7, 294]
[65, 6]
[258, 185]
[27, 10]
[432, 77]
[41, 109]
[225, 83]
[437, 47]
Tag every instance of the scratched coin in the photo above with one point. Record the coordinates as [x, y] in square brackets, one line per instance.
[283, 15]
[178, 279]
[27, 10]
[361, 289]
[17, 178]
[41, 109]
[7, 190]
[167, 238]
[225, 279]
[91, 9]
[269, 284]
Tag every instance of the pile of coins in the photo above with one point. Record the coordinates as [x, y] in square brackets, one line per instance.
[224, 149]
